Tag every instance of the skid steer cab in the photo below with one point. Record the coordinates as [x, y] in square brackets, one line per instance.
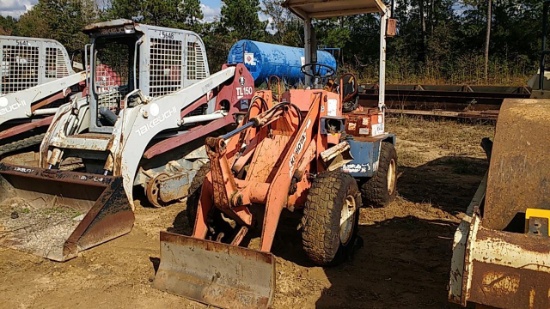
[150, 103]
[36, 77]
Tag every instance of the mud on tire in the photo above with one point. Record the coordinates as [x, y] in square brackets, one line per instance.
[323, 239]
[381, 189]
[194, 193]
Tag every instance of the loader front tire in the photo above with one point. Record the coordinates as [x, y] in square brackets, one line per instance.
[194, 193]
[330, 217]
[381, 189]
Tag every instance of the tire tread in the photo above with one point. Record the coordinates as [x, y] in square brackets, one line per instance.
[320, 237]
[375, 190]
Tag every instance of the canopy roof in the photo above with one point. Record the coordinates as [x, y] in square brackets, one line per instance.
[320, 9]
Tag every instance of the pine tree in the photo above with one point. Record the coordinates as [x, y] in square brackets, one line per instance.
[191, 14]
[240, 19]
[62, 20]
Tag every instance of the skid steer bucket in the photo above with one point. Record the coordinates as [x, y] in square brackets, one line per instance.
[218, 274]
[56, 214]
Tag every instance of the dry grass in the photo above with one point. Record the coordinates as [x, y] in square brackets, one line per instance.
[421, 140]
[440, 166]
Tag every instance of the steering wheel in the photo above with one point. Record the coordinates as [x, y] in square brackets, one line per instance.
[306, 68]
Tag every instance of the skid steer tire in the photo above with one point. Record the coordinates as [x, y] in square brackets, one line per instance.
[326, 238]
[194, 193]
[381, 189]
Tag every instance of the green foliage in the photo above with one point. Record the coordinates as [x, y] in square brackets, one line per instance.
[161, 13]
[333, 32]
[127, 9]
[8, 25]
[167, 13]
[437, 41]
[217, 44]
[191, 13]
[62, 20]
[240, 20]
[286, 28]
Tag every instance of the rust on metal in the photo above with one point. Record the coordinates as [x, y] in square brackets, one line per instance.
[527, 242]
[489, 115]
[152, 191]
[47, 101]
[165, 188]
[460, 262]
[60, 213]
[519, 173]
[496, 263]
[507, 287]
[457, 101]
[108, 25]
[505, 269]
[218, 274]
[18, 129]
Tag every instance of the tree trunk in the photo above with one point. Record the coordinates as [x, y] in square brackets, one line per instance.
[487, 38]
[423, 28]
[432, 17]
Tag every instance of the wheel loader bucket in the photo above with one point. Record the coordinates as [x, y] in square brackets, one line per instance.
[217, 274]
[56, 214]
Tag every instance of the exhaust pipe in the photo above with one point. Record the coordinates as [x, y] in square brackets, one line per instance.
[56, 214]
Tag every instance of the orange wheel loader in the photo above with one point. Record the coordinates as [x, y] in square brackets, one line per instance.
[301, 153]
[287, 156]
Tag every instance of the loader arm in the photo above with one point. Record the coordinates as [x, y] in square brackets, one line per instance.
[18, 105]
[233, 196]
[282, 180]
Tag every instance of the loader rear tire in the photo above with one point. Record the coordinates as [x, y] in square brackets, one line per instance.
[330, 218]
[381, 189]
[194, 193]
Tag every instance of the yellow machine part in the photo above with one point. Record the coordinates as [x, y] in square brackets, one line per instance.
[519, 172]
[537, 213]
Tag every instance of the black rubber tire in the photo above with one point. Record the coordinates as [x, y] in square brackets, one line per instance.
[375, 191]
[22, 143]
[321, 222]
[194, 193]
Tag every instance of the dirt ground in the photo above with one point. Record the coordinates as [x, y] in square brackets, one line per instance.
[404, 261]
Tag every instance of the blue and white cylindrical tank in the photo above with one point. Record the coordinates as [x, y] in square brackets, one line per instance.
[264, 60]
